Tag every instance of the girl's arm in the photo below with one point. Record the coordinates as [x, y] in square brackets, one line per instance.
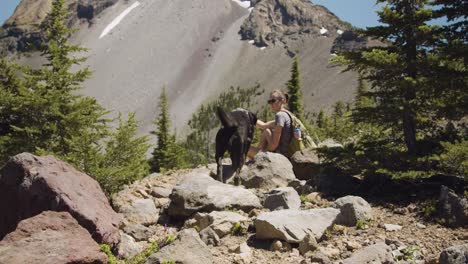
[264, 125]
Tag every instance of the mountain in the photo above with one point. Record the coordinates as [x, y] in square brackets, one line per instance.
[197, 48]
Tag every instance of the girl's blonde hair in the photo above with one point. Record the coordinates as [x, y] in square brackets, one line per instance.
[280, 95]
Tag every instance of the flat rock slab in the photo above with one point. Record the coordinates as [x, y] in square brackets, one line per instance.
[188, 248]
[293, 225]
[377, 253]
[198, 192]
[31, 184]
[50, 237]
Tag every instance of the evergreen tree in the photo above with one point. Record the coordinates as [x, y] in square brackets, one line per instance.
[449, 68]
[51, 117]
[124, 159]
[397, 71]
[294, 90]
[161, 155]
[10, 86]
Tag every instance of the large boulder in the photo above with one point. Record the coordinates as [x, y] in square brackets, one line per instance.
[198, 192]
[268, 171]
[377, 253]
[293, 225]
[452, 208]
[188, 248]
[306, 164]
[50, 237]
[282, 198]
[30, 185]
[454, 255]
[353, 209]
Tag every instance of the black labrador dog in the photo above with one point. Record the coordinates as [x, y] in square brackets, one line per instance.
[235, 136]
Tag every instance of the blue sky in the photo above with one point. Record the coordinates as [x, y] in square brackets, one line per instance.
[360, 13]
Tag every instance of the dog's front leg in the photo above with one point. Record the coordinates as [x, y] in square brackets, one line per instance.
[220, 169]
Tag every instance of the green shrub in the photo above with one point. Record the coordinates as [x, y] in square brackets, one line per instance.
[141, 258]
[238, 230]
[110, 257]
[360, 224]
[454, 158]
[429, 208]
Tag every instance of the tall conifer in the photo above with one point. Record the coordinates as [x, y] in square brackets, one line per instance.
[161, 154]
[397, 71]
[294, 90]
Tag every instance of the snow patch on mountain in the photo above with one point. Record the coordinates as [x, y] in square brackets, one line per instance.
[244, 4]
[118, 19]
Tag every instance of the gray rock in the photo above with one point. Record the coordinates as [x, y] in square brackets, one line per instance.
[377, 253]
[318, 257]
[141, 211]
[308, 244]
[198, 192]
[128, 247]
[353, 209]
[161, 192]
[392, 227]
[452, 208]
[306, 164]
[220, 221]
[454, 255]
[209, 236]
[139, 232]
[293, 225]
[188, 248]
[269, 170]
[282, 198]
[31, 184]
[329, 143]
[50, 237]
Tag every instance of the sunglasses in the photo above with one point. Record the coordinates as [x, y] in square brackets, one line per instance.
[271, 101]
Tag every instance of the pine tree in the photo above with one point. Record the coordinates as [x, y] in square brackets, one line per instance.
[161, 155]
[124, 160]
[449, 68]
[294, 90]
[52, 117]
[10, 86]
[397, 71]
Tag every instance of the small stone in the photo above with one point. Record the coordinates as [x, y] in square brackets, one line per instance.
[391, 227]
[243, 249]
[254, 212]
[308, 244]
[420, 226]
[329, 251]
[401, 211]
[352, 245]
[276, 245]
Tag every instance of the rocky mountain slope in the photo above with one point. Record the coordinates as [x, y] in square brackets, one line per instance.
[196, 48]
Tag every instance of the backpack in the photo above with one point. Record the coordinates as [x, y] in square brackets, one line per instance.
[295, 144]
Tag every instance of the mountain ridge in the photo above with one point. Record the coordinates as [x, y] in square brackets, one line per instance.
[197, 53]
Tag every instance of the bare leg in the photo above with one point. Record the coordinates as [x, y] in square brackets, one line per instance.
[265, 140]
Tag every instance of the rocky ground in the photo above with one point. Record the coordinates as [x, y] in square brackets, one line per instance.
[47, 207]
[411, 237]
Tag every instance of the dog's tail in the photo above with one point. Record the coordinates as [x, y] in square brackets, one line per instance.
[225, 118]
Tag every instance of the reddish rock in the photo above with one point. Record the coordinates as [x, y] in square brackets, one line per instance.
[30, 185]
[50, 237]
